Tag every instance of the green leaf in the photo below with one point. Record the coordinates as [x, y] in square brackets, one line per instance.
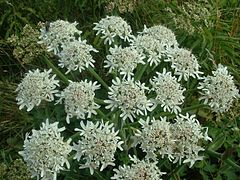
[218, 142]
[230, 174]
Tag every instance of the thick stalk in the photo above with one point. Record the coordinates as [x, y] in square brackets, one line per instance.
[140, 72]
[91, 70]
[55, 70]
[99, 101]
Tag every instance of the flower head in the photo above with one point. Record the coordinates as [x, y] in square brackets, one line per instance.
[155, 137]
[35, 87]
[219, 90]
[76, 55]
[78, 99]
[129, 96]
[124, 60]
[97, 145]
[139, 170]
[169, 91]
[111, 27]
[45, 152]
[187, 132]
[164, 35]
[151, 47]
[185, 64]
[56, 33]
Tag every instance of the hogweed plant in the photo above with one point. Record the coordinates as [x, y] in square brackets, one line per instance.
[145, 102]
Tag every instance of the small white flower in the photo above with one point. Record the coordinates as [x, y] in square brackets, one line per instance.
[219, 90]
[164, 35]
[155, 137]
[35, 87]
[76, 55]
[169, 91]
[45, 152]
[156, 42]
[151, 47]
[129, 96]
[124, 60]
[187, 133]
[58, 33]
[139, 170]
[97, 145]
[111, 27]
[185, 64]
[78, 99]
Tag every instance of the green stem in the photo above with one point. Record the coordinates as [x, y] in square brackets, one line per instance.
[75, 135]
[118, 120]
[213, 153]
[193, 107]
[91, 70]
[140, 72]
[102, 114]
[94, 10]
[184, 110]
[232, 163]
[99, 175]
[162, 162]
[219, 156]
[175, 170]
[99, 101]
[176, 176]
[70, 158]
[112, 112]
[55, 69]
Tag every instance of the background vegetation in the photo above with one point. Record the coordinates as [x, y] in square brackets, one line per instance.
[214, 38]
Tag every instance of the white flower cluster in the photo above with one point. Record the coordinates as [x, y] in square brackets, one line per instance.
[187, 132]
[155, 137]
[169, 91]
[45, 152]
[219, 90]
[124, 60]
[164, 35]
[64, 39]
[151, 47]
[156, 42]
[139, 170]
[111, 27]
[78, 99]
[76, 55]
[35, 87]
[185, 64]
[129, 96]
[177, 140]
[54, 34]
[97, 145]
